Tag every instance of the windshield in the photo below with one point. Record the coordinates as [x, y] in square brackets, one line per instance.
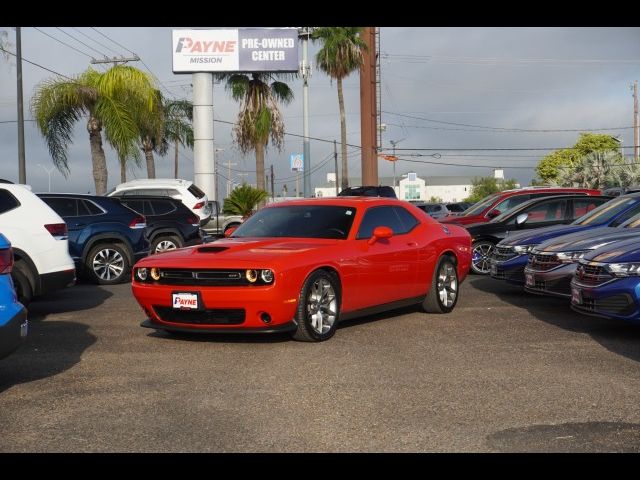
[605, 212]
[477, 208]
[302, 221]
[633, 222]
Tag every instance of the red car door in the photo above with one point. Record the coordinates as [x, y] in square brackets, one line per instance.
[387, 267]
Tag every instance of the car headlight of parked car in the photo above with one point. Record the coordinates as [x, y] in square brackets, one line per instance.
[624, 269]
[571, 257]
[522, 249]
[141, 274]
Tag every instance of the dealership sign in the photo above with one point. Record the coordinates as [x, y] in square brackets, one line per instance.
[266, 50]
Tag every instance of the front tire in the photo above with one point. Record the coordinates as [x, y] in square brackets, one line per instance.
[108, 264]
[318, 307]
[480, 257]
[443, 294]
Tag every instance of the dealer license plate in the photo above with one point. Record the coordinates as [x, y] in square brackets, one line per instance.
[576, 295]
[185, 301]
[530, 282]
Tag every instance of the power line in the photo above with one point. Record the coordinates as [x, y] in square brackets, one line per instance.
[410, 58]
[464, 149]
[95, 41]
[80, 41]
[63, 43]
[36, 64]
[111, 40]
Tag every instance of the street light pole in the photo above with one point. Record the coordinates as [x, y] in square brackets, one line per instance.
[393, 144]
[49, 172]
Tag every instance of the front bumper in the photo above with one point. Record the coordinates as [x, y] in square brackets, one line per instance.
[13, 332]
[614, 299]
[555, 282]
[512, 270]
[220, 308]
[285, 327]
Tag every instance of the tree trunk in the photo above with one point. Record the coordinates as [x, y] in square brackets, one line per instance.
[175, 171]
[123, 170]
[343, 136]
[260, 168]
[148, 154]
[100, 174]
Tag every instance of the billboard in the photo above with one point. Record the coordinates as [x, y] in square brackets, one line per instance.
[297, 162]
[251, 50]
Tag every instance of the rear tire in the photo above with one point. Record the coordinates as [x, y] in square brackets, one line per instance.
[165, 243]
[22, 281]
[318, 307]
[443, 294]
[108, 264]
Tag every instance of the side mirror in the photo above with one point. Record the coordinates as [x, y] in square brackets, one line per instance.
[229, 231]
[380, 232]
[494, 213]
[520, 219]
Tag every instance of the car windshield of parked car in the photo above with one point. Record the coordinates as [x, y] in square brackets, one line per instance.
[301, 221]
[609, 210]
[633, 222]
[477, 208]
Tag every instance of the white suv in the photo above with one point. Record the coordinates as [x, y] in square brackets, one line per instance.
[185, 191]
[39, 239]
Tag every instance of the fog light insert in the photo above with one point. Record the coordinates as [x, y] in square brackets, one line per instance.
[252, 275]
[266, 276]
[141, 273]
[265, 317]
[155, 273]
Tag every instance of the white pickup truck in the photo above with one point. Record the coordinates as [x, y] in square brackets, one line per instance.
[219, 222]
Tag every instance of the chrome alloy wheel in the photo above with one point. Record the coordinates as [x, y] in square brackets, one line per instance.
[322, 306]
[165, 246]
[108, 264]
[481, 256]
[447, 285]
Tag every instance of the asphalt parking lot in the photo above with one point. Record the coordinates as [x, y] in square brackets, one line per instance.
[504, 372]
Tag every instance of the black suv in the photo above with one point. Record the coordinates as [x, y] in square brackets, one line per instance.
[369, 191]
[170, 224]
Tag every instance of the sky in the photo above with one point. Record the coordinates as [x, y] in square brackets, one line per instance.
[462, 93]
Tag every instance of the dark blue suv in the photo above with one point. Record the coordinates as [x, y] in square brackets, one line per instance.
[105, 237]
[511, 255]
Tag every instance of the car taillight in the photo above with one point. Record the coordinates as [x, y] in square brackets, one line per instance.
[6, 260]
[138, 222]
[57, 230]
[198, 205]
[193, 220]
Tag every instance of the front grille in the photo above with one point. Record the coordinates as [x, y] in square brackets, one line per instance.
[592, 274]
[621, 304]
[219, 316]
[202, 277]
[543, 262]
[502, 254]
[499, 273]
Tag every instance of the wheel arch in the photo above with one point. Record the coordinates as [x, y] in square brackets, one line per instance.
[19, 254]
[109, 238]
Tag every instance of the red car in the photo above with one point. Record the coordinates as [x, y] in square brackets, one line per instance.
[493, 205]
[302, 265]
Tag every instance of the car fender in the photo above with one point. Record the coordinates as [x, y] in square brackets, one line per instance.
[19, 254]
[155, 232]
[111, 237]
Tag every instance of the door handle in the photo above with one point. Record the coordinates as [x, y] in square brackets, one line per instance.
[412, 244]
[80, 225]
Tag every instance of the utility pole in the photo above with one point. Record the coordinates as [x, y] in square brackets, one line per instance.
[228, 164]
[305, 68]
[395, 159]
[273, 195]
[116, 60]
[636, 133]
[22, 165]
[335, 159]
[368, 110]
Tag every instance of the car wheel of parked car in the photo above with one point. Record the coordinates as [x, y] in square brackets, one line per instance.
[22, 282]
[318, 307]
[481, 254]
[165, 243]
[108, 264]
[443, 294]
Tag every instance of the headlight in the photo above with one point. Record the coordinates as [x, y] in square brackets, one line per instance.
[251, 275]
[571, 257]
[624, 269]
[266, 276]
[155, 274]
[141, 273]
[522, 249]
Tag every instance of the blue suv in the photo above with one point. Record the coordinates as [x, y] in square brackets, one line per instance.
[511, 255]
[13, 316]
[105, 237]
[607, 282]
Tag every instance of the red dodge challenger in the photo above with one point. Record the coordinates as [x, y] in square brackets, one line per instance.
[303, 265]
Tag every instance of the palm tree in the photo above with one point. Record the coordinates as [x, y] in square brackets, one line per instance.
[243, 200]
[259, 117]
[110, 99]
[340, 55]
[178, 126]
[597, 169]
[152, 133]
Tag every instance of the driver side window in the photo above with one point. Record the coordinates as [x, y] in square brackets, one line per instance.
[378, 217]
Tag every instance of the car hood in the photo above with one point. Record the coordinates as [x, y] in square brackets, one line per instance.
[463, 220]
[617, 252]
[588, 240]
[539, 235]
[239, 253]
[480, 229]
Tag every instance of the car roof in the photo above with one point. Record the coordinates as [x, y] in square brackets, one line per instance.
[130, 198]
[533, 201]
[351, 201]
[147, 182]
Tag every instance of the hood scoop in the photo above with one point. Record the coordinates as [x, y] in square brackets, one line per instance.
[212, 249]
